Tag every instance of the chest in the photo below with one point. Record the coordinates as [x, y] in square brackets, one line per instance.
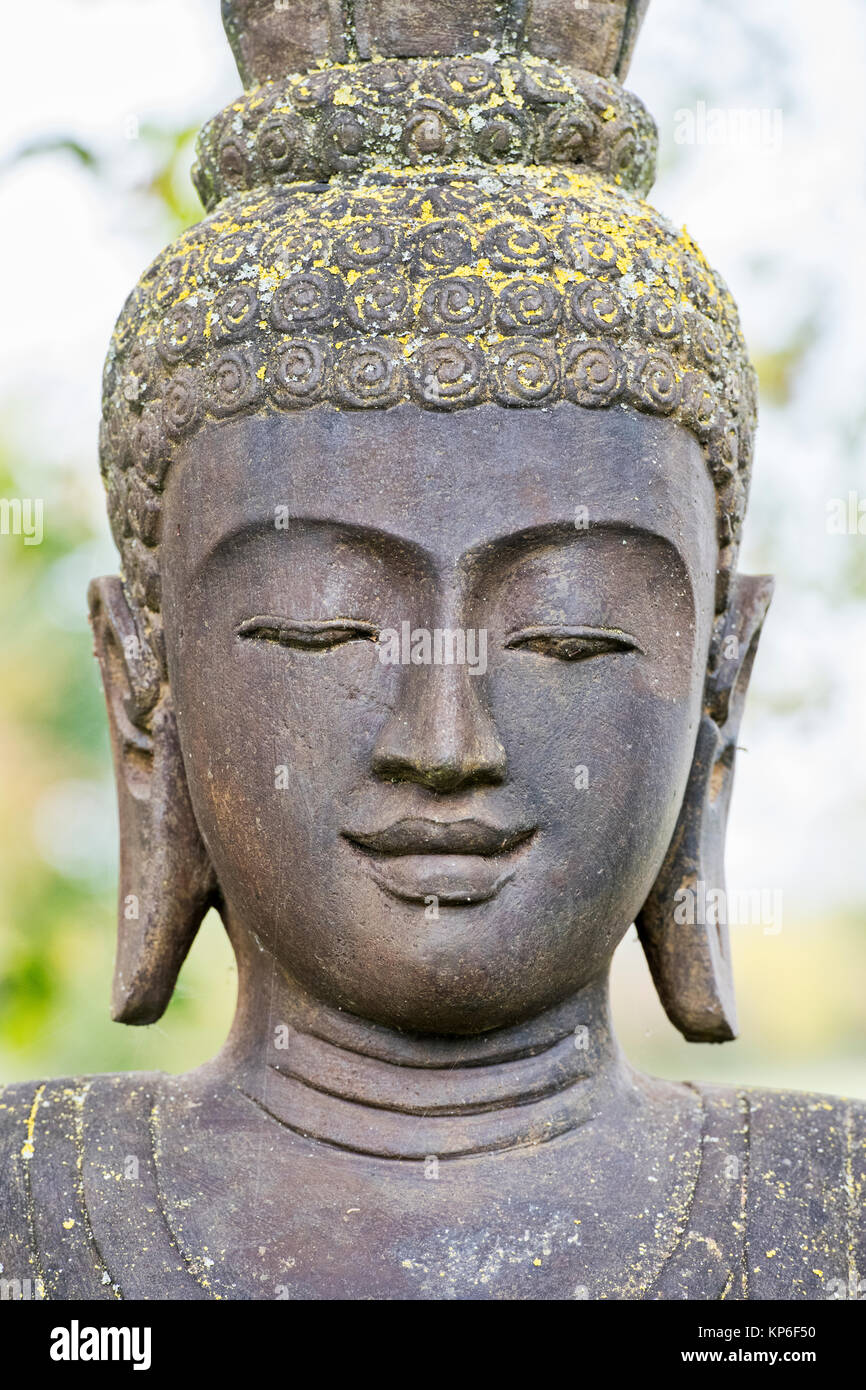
[326, 1225]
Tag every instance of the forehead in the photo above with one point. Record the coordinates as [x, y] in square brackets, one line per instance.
[447, 482]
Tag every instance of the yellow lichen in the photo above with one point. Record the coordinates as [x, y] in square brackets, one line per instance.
[27, 1150]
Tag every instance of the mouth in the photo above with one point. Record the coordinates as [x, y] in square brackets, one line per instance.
[457, 863]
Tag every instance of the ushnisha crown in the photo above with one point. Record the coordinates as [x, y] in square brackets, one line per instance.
[272, 39]
[425, 225]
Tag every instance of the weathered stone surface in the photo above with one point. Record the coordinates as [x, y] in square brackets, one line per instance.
[769, 1208]
[427, 456]
[271, 40]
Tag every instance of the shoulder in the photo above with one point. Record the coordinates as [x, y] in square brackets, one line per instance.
[50, 1132]
[34, 1114]
[804, 1183]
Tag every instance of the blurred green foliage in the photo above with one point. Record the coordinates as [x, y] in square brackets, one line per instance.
[57, 920]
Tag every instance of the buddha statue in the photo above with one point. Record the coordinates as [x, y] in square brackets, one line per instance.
[427, 455]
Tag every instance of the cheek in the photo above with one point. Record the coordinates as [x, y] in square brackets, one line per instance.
[605, 760]
[274, 739]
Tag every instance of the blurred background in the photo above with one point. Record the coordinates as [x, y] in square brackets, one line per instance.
[761, 118]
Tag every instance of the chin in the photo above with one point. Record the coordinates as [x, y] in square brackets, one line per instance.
[441, 993]
[455, 1018]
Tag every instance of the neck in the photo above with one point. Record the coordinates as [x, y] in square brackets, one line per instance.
[367, 1088]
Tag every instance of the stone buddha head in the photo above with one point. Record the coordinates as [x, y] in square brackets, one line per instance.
[427, 455]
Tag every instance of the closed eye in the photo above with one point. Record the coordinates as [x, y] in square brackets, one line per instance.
[572, 643]
[308, 636]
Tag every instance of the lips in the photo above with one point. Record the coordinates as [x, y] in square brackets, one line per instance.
[457, 862]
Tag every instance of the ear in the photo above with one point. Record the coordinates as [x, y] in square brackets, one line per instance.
[690, 958]
[167, 883]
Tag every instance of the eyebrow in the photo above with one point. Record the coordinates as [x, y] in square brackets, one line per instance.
[530, 539]
[347, 531]
[487, 553]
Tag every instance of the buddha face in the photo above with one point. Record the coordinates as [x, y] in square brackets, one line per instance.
[438, 679]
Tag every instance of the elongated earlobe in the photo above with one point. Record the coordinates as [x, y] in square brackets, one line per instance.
[166, 880]
[687, 948]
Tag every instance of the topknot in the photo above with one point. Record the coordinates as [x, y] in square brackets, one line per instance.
[273, 38]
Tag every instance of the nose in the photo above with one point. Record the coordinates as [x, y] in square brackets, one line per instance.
[440, 734]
